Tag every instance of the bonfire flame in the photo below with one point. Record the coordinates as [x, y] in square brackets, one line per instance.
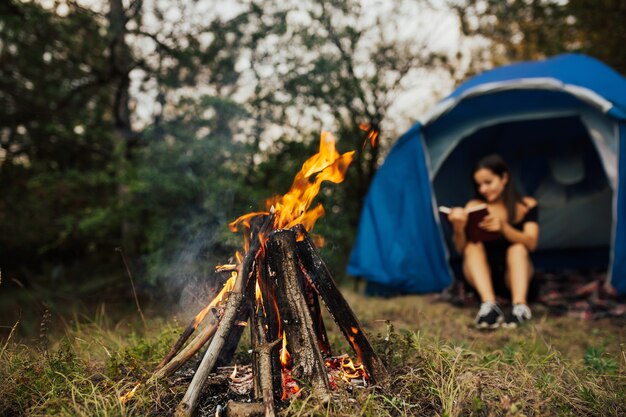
[348, 370]
[293, 207]
[290, 386]
[351, 371]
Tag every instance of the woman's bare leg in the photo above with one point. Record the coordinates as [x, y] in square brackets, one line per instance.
[519, 272]
[477, 272]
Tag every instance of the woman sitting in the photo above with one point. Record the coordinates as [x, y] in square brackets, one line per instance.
[500, 266]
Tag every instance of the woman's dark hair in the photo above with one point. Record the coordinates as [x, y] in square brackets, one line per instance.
[510, 194]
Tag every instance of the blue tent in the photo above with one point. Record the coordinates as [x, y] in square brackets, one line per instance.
[558, 123]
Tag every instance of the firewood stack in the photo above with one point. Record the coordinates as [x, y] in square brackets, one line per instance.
[276, 288]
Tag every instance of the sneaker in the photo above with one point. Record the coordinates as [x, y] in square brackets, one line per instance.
[520, 314]
[489, 316]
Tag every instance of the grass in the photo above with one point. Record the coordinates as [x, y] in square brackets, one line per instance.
[439, 365]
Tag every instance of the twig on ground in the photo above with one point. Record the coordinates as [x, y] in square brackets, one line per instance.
[132, 284]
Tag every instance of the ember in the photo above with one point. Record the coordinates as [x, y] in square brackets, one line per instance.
[277, 286]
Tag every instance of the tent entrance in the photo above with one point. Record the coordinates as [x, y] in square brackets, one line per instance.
[555, 161]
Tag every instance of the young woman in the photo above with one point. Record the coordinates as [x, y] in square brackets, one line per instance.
[503, 265]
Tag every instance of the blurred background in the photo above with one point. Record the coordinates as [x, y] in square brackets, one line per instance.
[133, 131]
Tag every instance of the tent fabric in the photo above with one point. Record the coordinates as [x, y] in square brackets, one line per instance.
[559, 124]
[574, 70]
[618, 255]
[388, 250]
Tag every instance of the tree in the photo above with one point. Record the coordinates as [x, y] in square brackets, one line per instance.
[72, 144]
[341, 65]
[55, 145]
[525, 30]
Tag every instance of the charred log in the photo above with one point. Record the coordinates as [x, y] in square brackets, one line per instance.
[264, 352]
[338, 307]
[233, 306]
[308, 364]
[269, 316]
[313, 302]
[201, 338]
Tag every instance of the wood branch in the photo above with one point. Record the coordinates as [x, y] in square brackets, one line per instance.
[313, 302]
[294, 313]
[191, 327]
[226, 355]
[257, 335]
[265, 366]
[188, 404]
[270, 324]
[338, 307]
[179, 343]
[233, 305]
[202, 337]
[237, 409]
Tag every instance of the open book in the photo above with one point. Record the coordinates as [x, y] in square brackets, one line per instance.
[473, 231]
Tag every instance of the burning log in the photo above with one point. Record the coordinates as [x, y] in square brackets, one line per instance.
[308, 364]
[257, 335]
[269, 321]
[313, 303]
[338, 307]
[188, 404]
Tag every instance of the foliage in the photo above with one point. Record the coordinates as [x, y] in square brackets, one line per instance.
[56, 146]
[597, 360]
[187, 185]
[525, 30]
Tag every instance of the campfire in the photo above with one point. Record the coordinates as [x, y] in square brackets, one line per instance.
[274, 290]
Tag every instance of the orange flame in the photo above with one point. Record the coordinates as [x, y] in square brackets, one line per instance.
[356, 348]
[350, 370]
[372, 133]
[290, 386]
[326, 165]
[257, 293]
[346, 369]
[293, 207]
[238, 257]
[285, 356]
[219, 298]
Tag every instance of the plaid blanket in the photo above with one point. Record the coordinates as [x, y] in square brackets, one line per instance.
[581, 294]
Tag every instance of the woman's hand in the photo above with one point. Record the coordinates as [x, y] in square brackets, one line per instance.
[458, 218]
[491, 223]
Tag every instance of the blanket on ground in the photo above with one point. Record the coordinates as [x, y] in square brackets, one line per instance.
[583, 294]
